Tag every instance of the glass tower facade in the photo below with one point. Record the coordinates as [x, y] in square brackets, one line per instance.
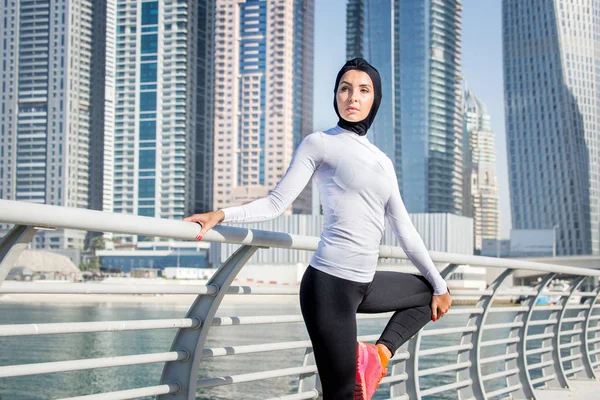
[263, 84]
[204, 31]
[162, 104]
[51, 105]
[552, 97]
[415, 45]
[304, 12]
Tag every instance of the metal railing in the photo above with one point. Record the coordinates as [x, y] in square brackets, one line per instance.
[497, 351]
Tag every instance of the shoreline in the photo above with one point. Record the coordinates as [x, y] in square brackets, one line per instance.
[276, 298]
[141, 299]
[169, 299]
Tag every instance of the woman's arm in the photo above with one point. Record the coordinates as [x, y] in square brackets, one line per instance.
[308, 156]
[410, 240]
[415, 249]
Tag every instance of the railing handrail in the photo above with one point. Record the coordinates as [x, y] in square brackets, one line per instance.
[48, 216]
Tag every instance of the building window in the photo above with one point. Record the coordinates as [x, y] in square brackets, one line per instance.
[148, 73]
[148, 130]
[150, 43]
[146, 212]
[150, 13]
[147, 159]
[148, 101]
[146, 188]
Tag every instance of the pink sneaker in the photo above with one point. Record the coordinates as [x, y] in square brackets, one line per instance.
[369, 371]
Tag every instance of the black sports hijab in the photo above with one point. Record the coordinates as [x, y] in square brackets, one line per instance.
[359, 127]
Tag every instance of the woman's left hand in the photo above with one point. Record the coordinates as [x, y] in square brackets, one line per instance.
[440, 305]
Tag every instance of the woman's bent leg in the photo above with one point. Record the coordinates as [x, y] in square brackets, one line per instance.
[329, 308]
[409, 295]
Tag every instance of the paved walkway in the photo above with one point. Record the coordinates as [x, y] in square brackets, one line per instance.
[580, 390]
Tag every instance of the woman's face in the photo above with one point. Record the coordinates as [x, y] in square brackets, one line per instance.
[355, 95]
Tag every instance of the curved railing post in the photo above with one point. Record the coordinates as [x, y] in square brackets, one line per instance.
[555, 357]
[11, 247]
[476, 389]
[587, 359]
[412, 386]
[185, 372]
[557, 345]
[523, 377]
[310, 380]
[397, 368]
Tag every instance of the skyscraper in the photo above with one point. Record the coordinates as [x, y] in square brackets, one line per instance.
[416, 47]
[51, 101]
[263, 95]
[205, 52]
[551, 73]
[161, 106]
[480, 180]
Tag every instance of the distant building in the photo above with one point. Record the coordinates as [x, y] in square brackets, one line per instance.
[159, 108]
[468, 277]
[523, 243]
[532, 242]
[495, 247]
[416, 47]
[481, 194]
[263, 96]
[157, 256]
[52, 101]
[551, 98]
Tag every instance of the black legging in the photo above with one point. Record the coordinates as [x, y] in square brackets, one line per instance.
[329, 306]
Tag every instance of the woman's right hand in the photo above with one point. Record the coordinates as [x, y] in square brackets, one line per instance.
[206, 220]
[440, 304]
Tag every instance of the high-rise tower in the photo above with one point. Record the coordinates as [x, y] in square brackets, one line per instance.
[263, 95]
[552, 100]
[160, 80]
[51, 106]
[481, 194]
[416, 45]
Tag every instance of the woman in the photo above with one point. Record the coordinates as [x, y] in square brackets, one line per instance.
[358, 188]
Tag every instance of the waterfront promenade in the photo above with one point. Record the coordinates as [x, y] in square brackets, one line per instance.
[483, 351]
[580, 390]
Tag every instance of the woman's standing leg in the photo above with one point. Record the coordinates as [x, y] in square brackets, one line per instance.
[329, 307]
[409, 295]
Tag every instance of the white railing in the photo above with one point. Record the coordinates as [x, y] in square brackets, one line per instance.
[540, 346]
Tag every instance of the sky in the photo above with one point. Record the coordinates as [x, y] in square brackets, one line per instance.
[481, 68]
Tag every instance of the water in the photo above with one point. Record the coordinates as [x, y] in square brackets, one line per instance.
[46, 348]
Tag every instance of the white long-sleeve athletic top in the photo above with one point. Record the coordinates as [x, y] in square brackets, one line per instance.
[358, 189]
